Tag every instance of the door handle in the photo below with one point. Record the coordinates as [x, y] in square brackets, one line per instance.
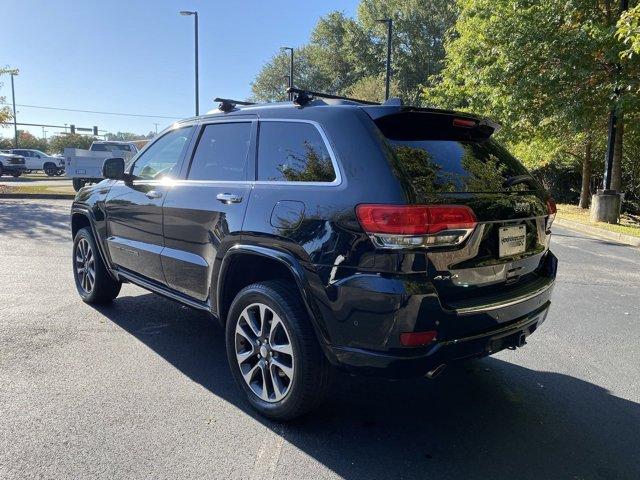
[228, 198]
[153, 194]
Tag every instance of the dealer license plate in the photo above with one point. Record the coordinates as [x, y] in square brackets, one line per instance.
[512, 240]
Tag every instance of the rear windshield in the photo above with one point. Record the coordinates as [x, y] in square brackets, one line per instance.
[110, 147]
[451, 160]
[461, 166]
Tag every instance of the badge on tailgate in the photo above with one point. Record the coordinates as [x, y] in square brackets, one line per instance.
[512, 240]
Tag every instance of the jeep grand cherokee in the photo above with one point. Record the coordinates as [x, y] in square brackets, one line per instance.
[322, 233]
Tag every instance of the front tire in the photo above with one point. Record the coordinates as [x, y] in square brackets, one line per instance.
[16, 174]
[78, 183]
[273, 351]
[50, 169]
[93, 282]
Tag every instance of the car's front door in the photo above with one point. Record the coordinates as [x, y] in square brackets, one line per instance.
[203, 214]
[134, 207]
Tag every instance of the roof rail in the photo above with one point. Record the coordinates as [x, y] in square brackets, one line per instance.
[227, 104]
[305, 96]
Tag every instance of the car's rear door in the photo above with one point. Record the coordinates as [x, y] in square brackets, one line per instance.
[204, 212]
[134, 207]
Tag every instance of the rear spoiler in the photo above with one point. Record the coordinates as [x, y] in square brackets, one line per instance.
[448, 121]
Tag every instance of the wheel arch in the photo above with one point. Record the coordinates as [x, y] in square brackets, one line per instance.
[265, 264]
[82, 218]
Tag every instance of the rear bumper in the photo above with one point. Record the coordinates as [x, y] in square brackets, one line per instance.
[412, 363]
[364, 316]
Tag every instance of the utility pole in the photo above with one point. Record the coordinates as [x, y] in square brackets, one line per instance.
[15, 124]
[156, 128]
[387, 86]
[606, 202]
[195, 14]
[290, 70]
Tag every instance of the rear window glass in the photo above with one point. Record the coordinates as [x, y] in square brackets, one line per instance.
[293, 152]
[461, 166]
[106, 147]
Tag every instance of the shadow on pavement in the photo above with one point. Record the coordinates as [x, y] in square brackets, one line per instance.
[486, 419]
[35, 220]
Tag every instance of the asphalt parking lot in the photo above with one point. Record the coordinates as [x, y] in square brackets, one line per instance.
[141, 388]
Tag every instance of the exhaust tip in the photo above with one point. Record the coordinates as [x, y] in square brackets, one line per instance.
[431, 374]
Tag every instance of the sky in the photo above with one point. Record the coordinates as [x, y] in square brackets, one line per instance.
[137, 56]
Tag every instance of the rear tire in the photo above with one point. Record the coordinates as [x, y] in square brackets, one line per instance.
[16, 174]
[282, 345]
[93, 281]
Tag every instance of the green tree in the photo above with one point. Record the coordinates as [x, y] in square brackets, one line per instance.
[58, 143]
[345, 54]
[124, 136]
[5, 111]
[544, 68]
[28, 140]
[629, 31]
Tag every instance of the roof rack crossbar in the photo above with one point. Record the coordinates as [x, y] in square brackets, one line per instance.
[237, 102]
[301, 91]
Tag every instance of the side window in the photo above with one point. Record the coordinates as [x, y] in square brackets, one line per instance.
[161, 159]
[293, 152]
[221, 153]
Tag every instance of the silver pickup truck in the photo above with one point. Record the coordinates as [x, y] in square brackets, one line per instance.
[85, 166]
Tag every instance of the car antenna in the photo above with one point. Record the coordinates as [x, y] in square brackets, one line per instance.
[227, 104]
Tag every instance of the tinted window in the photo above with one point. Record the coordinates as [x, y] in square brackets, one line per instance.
[460, 166]
[105, 147]
[293, 152]
[162, 158]
[222, 152]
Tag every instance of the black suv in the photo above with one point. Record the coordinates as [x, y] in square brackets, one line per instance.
[323, 233]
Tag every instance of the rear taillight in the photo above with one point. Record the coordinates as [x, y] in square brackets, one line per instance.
[551, 209]
[403, 226]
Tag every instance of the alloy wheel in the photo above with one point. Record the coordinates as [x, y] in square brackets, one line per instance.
[264, 352]
[85, 266]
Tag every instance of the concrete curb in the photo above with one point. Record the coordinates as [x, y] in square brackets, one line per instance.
[598, 232]
[38, 196]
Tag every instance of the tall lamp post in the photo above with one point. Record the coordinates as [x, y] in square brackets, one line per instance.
[15, 124]
[290, 70]
[389, 23]
[606, 202]
[195, 14]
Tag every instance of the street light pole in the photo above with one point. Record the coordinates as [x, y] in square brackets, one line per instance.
[15, 124]
[389, 23]
[290, 70]
[605, 205]
[195, 14]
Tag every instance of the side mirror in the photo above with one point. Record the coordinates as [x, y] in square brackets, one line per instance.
[113, 169]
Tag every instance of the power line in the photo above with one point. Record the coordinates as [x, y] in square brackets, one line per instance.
[96, 112]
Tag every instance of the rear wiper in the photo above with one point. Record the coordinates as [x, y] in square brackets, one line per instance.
[517, 179]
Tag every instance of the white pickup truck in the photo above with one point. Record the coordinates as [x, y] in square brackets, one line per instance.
[35, 160]
[85, 166]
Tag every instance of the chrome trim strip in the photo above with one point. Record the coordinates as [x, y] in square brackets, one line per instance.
[162, 291]
[536, 317]
[508, 303]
